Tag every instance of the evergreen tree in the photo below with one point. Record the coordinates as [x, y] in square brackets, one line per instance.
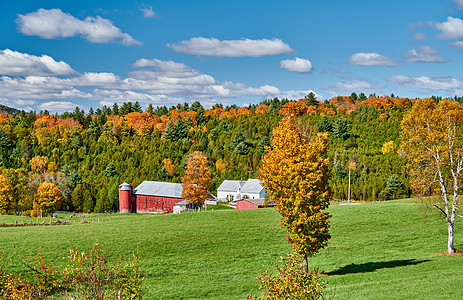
[171, 132]
[87, 203]
[110, 170]
[137, 107]
[341, 129]
[115, 109]
[325, 125]
[311, 99]
[150, 109]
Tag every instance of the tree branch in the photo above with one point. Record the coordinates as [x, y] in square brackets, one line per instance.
[442, 211]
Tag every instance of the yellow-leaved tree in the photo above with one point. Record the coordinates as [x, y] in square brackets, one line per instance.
[47, 199]
[296, 174]
[432, 140]
[196, 179]
[6, 190]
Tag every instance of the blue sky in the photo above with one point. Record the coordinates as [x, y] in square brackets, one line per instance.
[57, 55]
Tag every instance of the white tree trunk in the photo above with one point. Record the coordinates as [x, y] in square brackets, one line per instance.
[348, 192]
[450, 248]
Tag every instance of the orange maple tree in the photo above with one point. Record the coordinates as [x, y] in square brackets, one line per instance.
[196, 179]
[296, 174]
[47, 199]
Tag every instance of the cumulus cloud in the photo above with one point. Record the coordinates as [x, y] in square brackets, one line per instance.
[231, 48]
[148, 11]
[298, 65]
[452, 29]
[54, 23]
[370, 59]
[14, 63]
[58, 106]
[153, 81]
[429, 83]
[351, 86]
[424, 54]
[457, 44]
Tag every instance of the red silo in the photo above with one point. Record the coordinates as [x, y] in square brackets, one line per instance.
[125, 196]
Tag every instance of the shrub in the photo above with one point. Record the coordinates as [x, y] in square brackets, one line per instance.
[87, 275]
[291, 282]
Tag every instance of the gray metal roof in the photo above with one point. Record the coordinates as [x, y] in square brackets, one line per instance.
[231, 185]
[252, 186]
[125, 187]
[161, 189]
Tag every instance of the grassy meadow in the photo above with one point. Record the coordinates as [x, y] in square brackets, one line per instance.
[382, 250]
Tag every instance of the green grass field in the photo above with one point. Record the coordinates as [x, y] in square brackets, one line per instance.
[386, 250]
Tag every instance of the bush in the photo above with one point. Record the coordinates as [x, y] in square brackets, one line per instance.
[87, 275]
[291, 282]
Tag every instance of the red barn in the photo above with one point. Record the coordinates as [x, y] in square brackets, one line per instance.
[253, 203]
[149, 196]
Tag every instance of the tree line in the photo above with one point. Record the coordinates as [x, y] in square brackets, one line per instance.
[86, 155]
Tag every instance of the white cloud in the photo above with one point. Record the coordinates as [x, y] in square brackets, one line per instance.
[370, 59]
[231, 48]
[58, 106]
[297, 65]
[296, 95]
[457, 44]
[148, 11]
[459, 3]
[419, 36]
[39, 88]
[53, 23]
[351, 86]
[165, 67]
[424, 54]
[428, 83]
[158, 82]
[14, 63]
[452, 29]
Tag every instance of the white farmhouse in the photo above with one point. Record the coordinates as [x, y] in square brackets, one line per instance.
[230, 190]
[252, 189]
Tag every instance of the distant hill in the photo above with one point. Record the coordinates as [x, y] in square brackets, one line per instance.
[8, 110]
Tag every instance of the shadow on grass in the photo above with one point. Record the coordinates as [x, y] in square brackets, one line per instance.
[372, 266]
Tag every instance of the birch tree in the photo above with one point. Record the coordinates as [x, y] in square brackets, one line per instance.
[432, 138]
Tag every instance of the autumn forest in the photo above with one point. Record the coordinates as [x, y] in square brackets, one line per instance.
[86, 155]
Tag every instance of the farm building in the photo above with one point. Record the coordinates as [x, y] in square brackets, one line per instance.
[252, 189]
[253, 203]
[233, 190]
[230, 190]
[149, 196]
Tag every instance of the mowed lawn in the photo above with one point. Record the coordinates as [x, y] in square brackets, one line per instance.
[386, 250]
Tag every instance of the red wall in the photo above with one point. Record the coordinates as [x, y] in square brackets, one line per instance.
[154, 203]
[243, 204]
[125, 201]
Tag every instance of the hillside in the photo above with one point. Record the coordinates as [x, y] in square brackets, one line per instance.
[382, 250]
[8, 110]
[87, 155]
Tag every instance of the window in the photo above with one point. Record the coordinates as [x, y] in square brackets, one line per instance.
[170, 202]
